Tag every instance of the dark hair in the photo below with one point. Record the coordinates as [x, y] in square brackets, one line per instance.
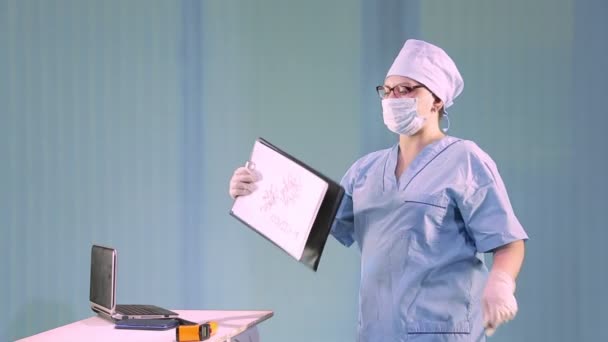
[437, 99]
[442, 109]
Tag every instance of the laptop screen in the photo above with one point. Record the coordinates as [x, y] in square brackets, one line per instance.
[103, 261]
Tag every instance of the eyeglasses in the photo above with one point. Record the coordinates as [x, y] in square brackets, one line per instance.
[400, 90]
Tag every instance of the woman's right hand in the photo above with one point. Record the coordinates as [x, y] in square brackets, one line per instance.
[242, 182]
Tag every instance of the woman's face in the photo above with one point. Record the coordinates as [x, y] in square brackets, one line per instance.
[427, 107]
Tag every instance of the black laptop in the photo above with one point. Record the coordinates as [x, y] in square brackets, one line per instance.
[102, 293]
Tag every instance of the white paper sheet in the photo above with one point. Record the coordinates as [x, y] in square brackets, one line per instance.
[286, 202]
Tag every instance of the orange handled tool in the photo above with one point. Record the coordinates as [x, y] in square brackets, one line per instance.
[195, 332]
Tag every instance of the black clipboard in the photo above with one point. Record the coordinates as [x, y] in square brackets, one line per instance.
[321, 227]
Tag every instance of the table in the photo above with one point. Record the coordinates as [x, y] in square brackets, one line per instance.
[230, 324]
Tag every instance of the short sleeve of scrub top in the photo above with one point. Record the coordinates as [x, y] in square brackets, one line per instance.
[484, 203]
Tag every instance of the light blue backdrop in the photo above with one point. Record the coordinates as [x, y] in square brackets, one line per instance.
[122, 121]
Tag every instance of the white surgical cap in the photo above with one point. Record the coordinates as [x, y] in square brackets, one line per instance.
[431, 66]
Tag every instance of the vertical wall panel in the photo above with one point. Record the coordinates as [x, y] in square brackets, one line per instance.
[385, 25]
[587, 201]
[90, 116]
[289, 72]
[519, 105]
[193, 239]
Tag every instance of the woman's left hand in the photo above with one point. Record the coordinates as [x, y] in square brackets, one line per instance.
[499, 303]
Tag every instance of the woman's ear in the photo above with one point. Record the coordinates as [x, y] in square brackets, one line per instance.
[437, 105]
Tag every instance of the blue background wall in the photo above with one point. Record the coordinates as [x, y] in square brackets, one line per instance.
[122, 121]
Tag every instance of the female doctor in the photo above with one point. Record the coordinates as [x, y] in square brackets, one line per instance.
[422, 212]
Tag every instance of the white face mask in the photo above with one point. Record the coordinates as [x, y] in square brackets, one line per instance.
[400, 115]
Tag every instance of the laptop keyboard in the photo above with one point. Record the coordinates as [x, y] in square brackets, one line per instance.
[140, 310]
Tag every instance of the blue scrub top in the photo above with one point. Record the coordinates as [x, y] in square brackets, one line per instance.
[421, 239]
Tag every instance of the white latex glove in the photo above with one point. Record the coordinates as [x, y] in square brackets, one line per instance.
[242, 182]
[499, 304]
